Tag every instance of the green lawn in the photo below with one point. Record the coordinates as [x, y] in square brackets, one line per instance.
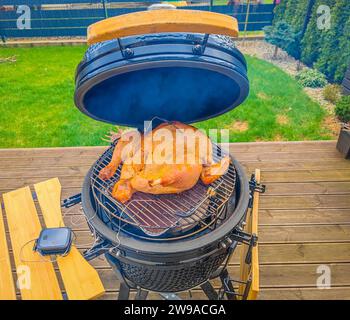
[37, 110]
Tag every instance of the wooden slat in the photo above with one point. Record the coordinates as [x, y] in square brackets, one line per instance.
[334, 293]
[310, 216]
[306, 176]
[80, 279]
[50, 164]
[254, 272]
[304, 253]
[7, 288]
[80, 170]
[298, 165]
[45, 172]
[247, 155]
[250, 272]
[246, 147]
[76, 153]
[28, 167]
[79, 167]
[302, 188]
[24, 226]
[304, 234]
[318, 201]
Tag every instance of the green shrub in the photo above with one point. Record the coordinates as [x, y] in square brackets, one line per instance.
[332, 93]
[327, 50]
[342, 109]
[281, 35]
[311, 78]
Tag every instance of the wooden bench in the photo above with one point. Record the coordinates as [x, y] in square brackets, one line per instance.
[37, 279]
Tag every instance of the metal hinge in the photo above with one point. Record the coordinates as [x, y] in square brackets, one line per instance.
[253, 242]
[245, 238]
[71, 201]
[254, 186]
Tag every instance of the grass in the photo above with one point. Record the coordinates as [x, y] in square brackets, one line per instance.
[37, 110]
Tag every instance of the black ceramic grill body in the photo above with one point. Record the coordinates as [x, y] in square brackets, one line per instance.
[169, 76]
[172, 76]
[176, 265]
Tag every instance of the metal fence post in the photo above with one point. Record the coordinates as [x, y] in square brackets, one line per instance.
[104, 3]
[246, 20]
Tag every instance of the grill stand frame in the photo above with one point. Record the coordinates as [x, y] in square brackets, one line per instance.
[126, 286]
[222, 273]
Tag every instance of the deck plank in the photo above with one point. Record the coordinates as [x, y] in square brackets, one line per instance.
[304, 216]
[67, 159]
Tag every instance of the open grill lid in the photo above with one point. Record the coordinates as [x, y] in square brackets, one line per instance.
[172, 75]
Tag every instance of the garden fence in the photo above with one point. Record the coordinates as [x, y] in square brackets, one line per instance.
[346, 82]
[67, 18]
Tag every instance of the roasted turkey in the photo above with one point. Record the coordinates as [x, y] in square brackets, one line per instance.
[169, 159]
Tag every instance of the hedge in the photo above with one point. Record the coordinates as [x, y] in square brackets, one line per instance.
[326, 50]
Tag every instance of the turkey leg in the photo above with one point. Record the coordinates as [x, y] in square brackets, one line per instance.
[215, 171]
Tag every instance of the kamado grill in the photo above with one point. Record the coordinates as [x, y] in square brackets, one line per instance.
[149, 66]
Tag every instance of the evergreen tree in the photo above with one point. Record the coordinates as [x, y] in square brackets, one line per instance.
[344, 53]
[330, 57]
[280, 35]
[326, 50]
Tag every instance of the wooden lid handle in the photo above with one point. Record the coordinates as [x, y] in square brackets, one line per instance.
[158, 21]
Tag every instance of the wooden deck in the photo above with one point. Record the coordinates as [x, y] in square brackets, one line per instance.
[304, 219]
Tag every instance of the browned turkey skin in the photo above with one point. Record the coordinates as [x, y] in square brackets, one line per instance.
[169, 159]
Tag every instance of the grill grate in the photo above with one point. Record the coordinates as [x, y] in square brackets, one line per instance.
[163, 216]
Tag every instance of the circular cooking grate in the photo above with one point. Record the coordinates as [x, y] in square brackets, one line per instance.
[163, 217]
